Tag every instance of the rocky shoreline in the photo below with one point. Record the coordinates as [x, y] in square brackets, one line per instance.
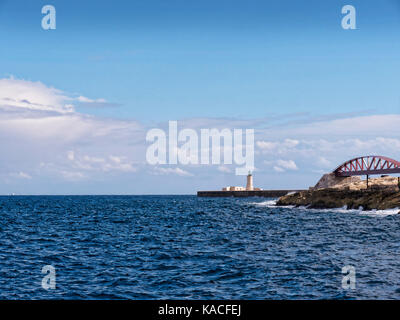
[379, 198]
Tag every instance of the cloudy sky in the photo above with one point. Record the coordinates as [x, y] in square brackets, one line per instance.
[77, 102]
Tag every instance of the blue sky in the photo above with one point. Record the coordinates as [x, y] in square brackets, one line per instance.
[208, 58]
[154, 61]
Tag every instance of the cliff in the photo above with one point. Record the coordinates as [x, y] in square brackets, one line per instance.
[329, 180]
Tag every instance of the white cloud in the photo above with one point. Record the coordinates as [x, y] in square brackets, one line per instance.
[287, 164]
[121, 166]
[167, 171]
[278, 169]
[21, 94]
[45, 135]
[87, 100]
[290, 143]
[21, 175]
[93, 163]
[362, 127]
[277, 147]
[266, 146]
[323, 162]
[71, 155]
[72, 175]
[224, 169]
[283, 165]
[116, 159]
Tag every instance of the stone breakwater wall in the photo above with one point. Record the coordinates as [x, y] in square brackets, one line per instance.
[244, 194]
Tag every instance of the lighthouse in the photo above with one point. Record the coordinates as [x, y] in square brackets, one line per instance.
[249, 186]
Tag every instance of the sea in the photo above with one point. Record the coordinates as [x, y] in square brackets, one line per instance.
[184, 247]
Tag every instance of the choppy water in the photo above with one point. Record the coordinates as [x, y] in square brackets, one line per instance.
[182, 247]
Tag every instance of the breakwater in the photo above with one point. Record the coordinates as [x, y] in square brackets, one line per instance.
[245, 193]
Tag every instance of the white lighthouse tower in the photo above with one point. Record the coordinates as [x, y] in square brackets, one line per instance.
[249, 186]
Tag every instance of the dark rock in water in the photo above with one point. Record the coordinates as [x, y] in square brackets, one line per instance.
[368, 199]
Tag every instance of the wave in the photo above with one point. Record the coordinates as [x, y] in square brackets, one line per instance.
[383, 213]
[268, 203]
[361, 211]
[387, 212]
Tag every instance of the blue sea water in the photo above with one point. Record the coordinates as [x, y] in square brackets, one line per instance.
[184, 247]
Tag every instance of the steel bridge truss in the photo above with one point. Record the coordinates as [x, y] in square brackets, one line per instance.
[367, 165]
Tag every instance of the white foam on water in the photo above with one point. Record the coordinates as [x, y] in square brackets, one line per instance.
[373, 213]
[269, 204]
[380, 213]
[313, 210]
[265, 203]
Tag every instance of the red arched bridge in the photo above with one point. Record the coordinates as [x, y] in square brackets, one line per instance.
[367, 165]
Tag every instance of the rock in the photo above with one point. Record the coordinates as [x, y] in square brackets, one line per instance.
[330, 180]
[377, 198]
